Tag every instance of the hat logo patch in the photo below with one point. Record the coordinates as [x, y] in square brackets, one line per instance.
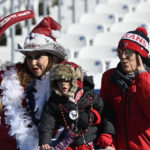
[124, 44]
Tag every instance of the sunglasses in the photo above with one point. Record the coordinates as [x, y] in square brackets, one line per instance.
[127, 52]
[64, 80]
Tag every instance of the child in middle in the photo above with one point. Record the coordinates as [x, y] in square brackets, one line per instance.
[74, 104]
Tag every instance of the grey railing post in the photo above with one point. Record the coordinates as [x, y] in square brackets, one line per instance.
[29, 21]
[44, 8]
[73, 11]
[59, 11]
[12, 33]
[85, 6]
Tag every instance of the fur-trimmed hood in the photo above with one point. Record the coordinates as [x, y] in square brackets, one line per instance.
[69, 72]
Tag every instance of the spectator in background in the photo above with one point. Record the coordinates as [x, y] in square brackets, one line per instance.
[73, 103]
[25, 87]
[3, 40]
[127, 89]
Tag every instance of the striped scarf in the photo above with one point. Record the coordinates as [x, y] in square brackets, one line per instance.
[121, 79]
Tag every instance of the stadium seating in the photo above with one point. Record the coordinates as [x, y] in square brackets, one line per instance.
[87, 29]
[118, 9]
[132, 3]
[126, 26]
[97, 80]
[114, 62]
[90, 66]
[108, 38]
[106, 19]
[144, 7]
[102, 53]
[72, 42]
[137, 17]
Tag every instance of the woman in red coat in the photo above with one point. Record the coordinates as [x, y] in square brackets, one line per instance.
[25, 87]
[127, 89]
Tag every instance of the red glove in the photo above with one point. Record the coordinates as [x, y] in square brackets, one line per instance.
[104, 140]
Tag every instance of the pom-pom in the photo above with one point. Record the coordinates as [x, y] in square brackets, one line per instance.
[55, 33]
[142, 29]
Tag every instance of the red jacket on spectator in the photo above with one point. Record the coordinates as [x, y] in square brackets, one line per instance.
[132, 110]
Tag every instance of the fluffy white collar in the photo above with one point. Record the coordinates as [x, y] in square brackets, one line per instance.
[16, 115]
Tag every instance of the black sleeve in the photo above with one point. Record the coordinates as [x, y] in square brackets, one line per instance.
[108, 119]
[98, 103]
[47, 124]
[107, 116]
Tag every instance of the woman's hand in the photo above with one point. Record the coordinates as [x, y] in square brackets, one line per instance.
[140, 66]
[110, 148]
[45, 146]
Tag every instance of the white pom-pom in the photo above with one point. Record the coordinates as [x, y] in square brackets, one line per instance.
[55, 33]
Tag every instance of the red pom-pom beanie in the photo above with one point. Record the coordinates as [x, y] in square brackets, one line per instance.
[137, 40]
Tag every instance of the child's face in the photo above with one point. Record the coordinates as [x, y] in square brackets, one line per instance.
[64, 86]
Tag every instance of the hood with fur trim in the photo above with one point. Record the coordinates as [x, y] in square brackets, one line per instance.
[67, 71]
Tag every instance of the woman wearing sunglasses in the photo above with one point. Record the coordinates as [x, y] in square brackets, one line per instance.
[127, 89]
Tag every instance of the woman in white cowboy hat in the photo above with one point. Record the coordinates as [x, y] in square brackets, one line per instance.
[25, 87]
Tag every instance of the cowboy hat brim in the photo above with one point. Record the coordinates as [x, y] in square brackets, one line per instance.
[51, 48]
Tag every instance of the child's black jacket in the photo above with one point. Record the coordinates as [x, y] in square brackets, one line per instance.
[52, 116]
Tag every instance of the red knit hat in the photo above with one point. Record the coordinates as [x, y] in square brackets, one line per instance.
[43, 38]
[136, 40]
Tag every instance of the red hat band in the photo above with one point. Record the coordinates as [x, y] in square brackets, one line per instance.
[126, 44]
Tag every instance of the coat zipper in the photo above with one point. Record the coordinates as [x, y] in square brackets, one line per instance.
[126, 132]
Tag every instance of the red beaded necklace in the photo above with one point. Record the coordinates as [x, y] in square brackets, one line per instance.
[89, 121]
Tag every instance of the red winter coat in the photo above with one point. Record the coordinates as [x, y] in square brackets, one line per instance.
[7, 142]
[132, 111]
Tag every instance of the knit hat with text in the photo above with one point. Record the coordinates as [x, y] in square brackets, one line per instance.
[137, 40]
